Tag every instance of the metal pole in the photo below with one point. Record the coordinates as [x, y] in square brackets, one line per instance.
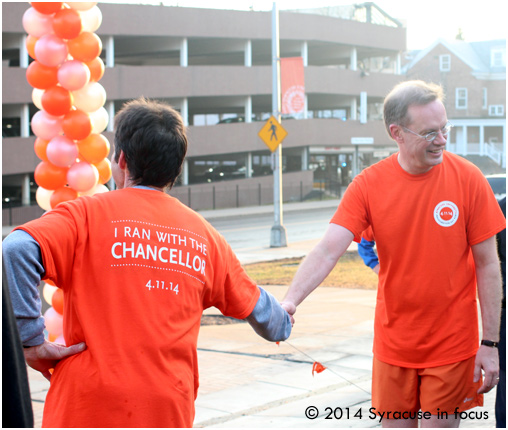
[356, 163]
[278, 236]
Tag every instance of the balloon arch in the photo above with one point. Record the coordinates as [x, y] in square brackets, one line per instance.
[65, 74]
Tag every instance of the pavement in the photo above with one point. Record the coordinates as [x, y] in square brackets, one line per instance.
[246, 381]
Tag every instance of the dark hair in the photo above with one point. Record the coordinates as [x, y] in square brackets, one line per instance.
[151, 135]
[406, 94]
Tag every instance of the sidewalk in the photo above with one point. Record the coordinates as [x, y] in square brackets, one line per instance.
[248, 382]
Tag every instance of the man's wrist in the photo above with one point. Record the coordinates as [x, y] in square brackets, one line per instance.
[490, 343]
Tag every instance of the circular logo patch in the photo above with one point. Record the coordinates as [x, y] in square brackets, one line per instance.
[446, 213]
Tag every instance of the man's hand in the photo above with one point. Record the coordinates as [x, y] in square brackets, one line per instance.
[487, 359]
[45, 356]
[290, 308]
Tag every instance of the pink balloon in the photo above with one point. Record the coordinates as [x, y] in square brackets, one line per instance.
[62, 151]
[50, 50]
[54, 322]
[46, 126]
[73, 75]
[37, 24]
[82, 176]
[60, 339]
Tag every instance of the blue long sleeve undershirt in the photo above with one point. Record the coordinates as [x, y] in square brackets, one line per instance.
[366, 251]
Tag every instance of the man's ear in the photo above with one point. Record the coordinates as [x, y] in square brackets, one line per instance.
[396, 133]
[122, 163]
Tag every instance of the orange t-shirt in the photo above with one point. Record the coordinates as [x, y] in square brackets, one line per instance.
[137, 268]
[424, 226]
[368, 234]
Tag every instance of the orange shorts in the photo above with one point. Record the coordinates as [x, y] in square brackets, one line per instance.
[435, 390]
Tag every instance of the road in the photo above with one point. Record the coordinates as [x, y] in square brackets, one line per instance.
[248, 232]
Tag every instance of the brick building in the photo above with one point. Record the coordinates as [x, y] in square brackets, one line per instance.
[473, 75]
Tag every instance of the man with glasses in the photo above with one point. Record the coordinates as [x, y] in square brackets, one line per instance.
[435, 219]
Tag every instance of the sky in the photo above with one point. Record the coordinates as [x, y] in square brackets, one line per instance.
[426, 20]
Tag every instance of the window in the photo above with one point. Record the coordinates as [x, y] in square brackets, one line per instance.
[496, 110]
[484, 98]
[498, 57]
[444, 63]
[461, 98]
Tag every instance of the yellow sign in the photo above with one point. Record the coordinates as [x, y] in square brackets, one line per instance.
[272, 133]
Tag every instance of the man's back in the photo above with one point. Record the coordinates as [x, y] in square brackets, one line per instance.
[137, 268]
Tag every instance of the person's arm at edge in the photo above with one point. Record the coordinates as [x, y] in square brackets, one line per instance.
[317, 265]
[24, 271]
[489, 293]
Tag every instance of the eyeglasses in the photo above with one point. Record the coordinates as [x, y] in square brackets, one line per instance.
[430, 137]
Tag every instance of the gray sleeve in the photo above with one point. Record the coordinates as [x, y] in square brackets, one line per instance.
[269, 319]
[23, 267]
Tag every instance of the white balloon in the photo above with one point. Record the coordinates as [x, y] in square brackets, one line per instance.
[90, 98]
[42, 196]
[98, 189]
[48, 291]
[37, 97]
[91, 19]
[100, 119]
[81, 5]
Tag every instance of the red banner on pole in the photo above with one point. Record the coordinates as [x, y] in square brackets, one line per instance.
[292, 85]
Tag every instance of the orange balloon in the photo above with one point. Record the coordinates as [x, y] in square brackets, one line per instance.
[67, 23]
[50, 282]
[85, 47]
[40, 76]
[58, 301]
[62, 195]
[40, 148]
[77, 125]
[46, 7]
[30, 45]
[104, 168]
[96, 67]
[57, 101]
[94, 148]
[49, 176]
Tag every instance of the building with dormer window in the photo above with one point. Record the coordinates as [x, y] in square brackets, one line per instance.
[473, 75]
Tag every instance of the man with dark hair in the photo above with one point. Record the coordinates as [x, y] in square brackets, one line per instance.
[153, 142]
[434, 218]
[137, 269]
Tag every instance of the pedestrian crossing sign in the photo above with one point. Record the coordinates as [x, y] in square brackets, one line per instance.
[272, 133]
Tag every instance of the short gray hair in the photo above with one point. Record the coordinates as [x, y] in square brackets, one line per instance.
[406, 94]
